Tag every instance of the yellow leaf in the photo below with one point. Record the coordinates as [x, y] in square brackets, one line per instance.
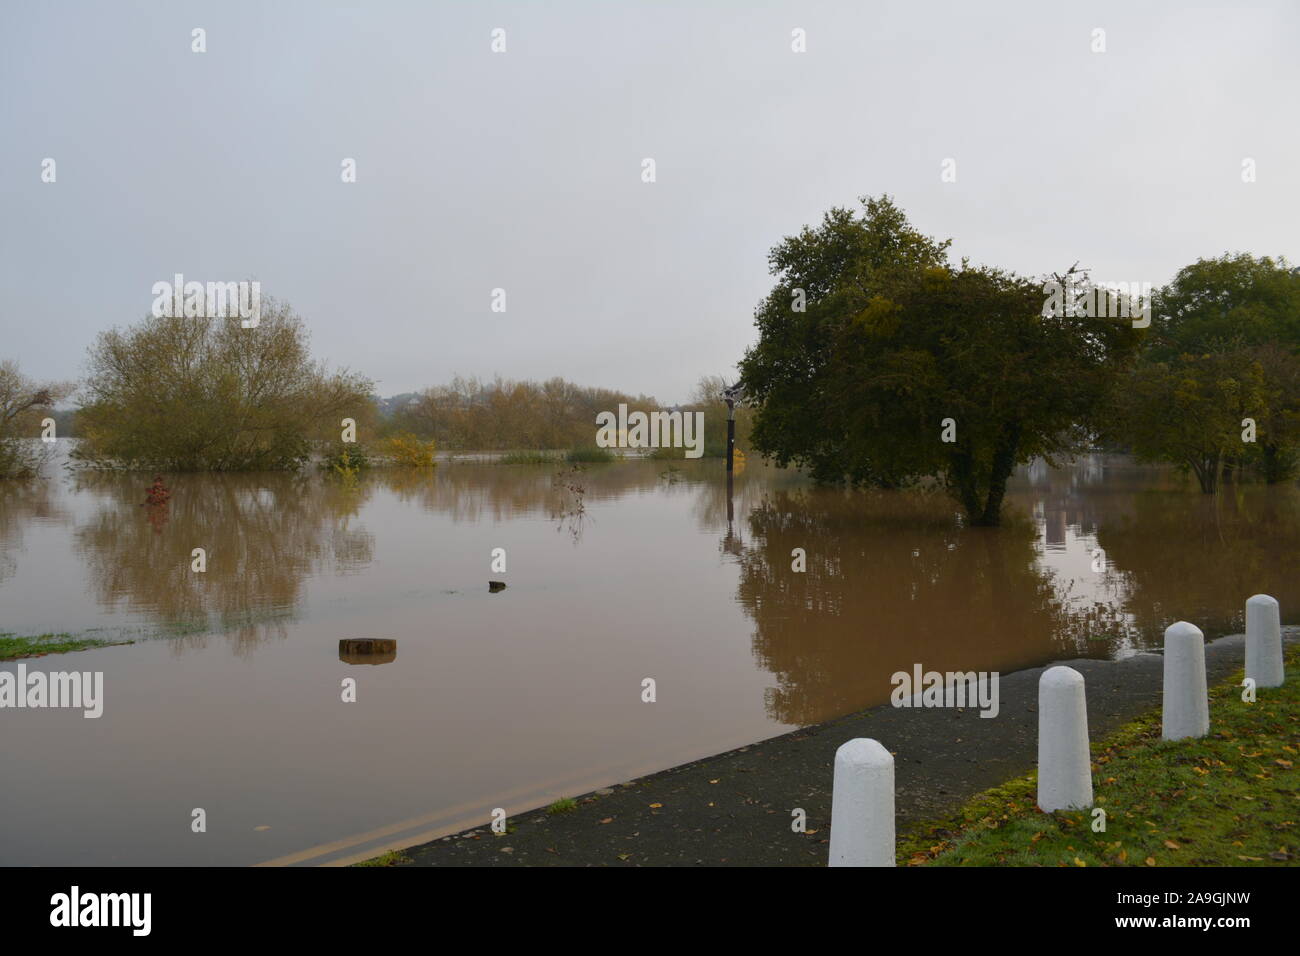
[655, 806]
[1172, 845]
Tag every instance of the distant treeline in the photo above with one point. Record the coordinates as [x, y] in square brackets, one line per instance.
[501, 415]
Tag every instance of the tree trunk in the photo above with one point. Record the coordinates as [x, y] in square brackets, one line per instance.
[1004, 462]
[1207, 474]
[963, 477]
[1279, 466]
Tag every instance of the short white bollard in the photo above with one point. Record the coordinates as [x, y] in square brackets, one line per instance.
[1186, 710]
[1264, 641]
[862, 805]
[1064, 762]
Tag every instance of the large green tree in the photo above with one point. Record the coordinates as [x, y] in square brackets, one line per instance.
[1224, 348]
[902, 367]
[1235, 300]
[1190, 410]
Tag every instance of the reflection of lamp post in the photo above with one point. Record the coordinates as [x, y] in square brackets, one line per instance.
[731, 394]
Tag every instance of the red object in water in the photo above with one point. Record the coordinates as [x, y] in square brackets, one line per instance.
[157, 493]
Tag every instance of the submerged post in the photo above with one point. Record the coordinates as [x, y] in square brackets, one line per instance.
[731, 394]
[862, 805]
[1064, 761]
[731, 437]
[1264, 641]
[1186, 710]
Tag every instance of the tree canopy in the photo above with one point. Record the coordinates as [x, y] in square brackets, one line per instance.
[189, 394]
[1219, 384]
[902, 366]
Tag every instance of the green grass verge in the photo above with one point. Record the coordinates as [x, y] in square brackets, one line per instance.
[14, 647]
[391, 858]
[1229, 799]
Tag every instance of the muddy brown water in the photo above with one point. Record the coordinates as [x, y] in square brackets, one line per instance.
[230, 699]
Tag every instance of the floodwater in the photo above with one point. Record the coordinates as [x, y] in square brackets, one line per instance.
[231, 698]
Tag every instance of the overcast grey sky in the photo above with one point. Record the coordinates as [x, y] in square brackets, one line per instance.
[522, 170]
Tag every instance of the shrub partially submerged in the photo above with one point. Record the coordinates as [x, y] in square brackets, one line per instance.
[408, 450]
[205, 394]
[23, 404]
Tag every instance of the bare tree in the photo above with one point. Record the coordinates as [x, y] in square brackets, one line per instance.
[23, 404]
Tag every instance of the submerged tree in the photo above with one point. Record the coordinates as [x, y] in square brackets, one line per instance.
[24, 404]
[1190, 410]
[206, 394]
[879, 363]
[1225, 347]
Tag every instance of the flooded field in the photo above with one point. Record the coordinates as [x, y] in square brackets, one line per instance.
[230, 698]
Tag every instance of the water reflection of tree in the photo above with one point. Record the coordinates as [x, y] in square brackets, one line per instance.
[473, 492]
[891, 581]
[1188, 556]
[22, 501]
[263, 534]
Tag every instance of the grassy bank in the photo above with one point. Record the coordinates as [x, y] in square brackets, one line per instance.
[391, 858]
[1229, 799]
[14, 647]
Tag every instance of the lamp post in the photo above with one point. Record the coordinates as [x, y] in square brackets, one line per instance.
[731, 394]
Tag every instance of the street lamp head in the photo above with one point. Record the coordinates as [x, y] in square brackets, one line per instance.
[732, 394]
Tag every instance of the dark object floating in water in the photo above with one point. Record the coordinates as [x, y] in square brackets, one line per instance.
[495, 586]
[367, 650]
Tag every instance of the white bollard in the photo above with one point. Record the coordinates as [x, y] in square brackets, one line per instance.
[1064, 762]
[862, 805]
[1186, 710]
[1264, 641]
